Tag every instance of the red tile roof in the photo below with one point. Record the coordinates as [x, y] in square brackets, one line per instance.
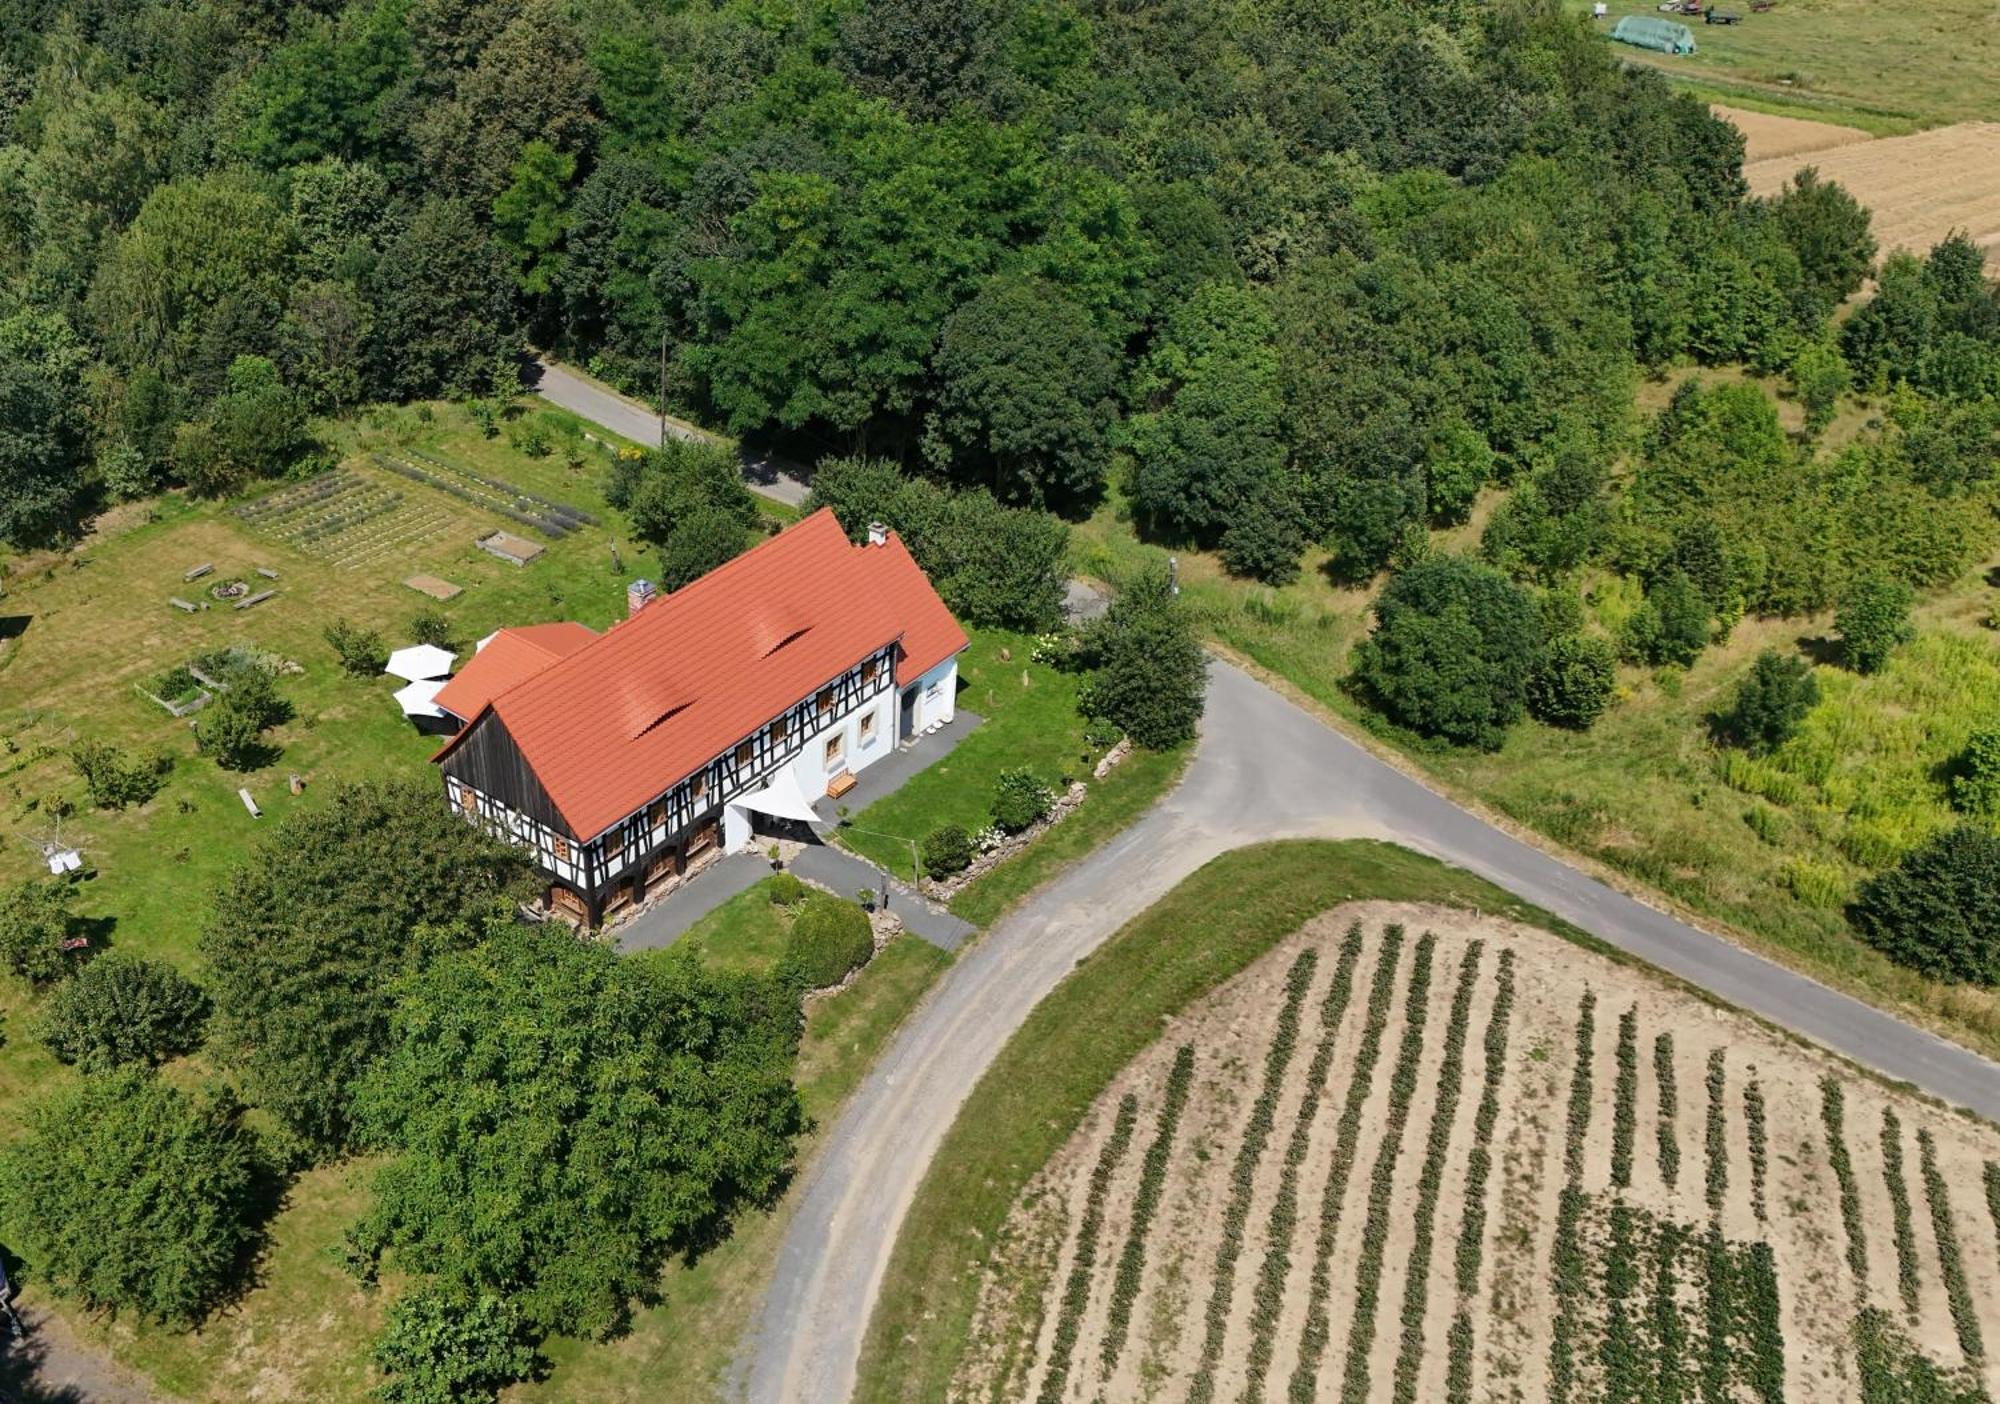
[627, 715]
[511, 656]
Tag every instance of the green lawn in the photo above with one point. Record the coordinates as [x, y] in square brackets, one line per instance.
[1209, 927]
[745, 935]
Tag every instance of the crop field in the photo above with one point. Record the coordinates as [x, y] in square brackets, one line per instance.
[1771, 136]
[1918, 188]
[1412, 1153]
[346, 516]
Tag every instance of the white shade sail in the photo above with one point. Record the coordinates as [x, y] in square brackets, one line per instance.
[420, 661]
[782, 799]
[416, 699]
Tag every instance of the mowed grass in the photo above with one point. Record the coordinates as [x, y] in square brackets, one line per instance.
[1934, 62]
[744, 936]
[1032, 1098]
[1646, 793]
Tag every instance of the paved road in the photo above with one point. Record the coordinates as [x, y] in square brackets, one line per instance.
[1264, 769]
[593, 400]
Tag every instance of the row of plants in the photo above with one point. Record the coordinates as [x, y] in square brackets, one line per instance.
[1908, 1283]
[1625, 1104]
[1958, 1289]
[1623, 1354]
[1667, 1126]
[273, 505]
[1076, 1290]
[1360, 1078]
[1145, 1204]
[1430, 1180]
[1670, 1332]
[1718, 1306]
[1759, 1315]
[325, 525]
[548, 524]
[1993, 1196]
[1758, 1132]
[1269, 1298]
[1478, 1167]
[1243, 1176]
[1833, 1119]
[1382, 1182]
[1893, 1371]
[1717, 1143]
[1569, 1265]
[520, 497]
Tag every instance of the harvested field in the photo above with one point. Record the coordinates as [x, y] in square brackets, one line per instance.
[1918, 188]
[1417, 1154]
[1769, 137]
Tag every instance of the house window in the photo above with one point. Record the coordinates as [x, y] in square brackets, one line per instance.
[869, 670]
[934, 691]
[825, 701]
[744, 752]
[468, 800]
[560, 896]
[614, 843]
[560, 846]
[868, 728]
[698, 786]
[780, 728]
[659, 816]
[836, 747]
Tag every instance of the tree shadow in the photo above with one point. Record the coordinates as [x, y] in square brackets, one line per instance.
[1822, 650]
[22, 1368]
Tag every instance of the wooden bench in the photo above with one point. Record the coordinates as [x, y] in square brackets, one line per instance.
[840, 784]
[267, 572]
[199, 571]
[178, 603]
[256, 599]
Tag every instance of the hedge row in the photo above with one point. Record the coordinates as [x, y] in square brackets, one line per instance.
[1244, 1176]
[1283, 1223]
[1146, 1203]
[1076, 1290]
[1964, 1315]
[1717, 1143]
[1625, 1108]
[1312, 1341]
[1908, 1282]
[1670, 1105]
[1382, 1183]
[1833, 1117]
[1478, 1166]
[1760, 1145]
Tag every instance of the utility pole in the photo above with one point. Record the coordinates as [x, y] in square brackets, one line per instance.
[663, 386]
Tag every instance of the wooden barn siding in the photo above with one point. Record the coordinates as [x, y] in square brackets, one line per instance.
[489, 761]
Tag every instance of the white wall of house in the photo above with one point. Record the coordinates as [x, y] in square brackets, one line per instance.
[853, 742]
[937, 697]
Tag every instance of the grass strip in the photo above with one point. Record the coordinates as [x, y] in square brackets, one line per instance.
[1760, 1144]
[1666, 1129]
[1958, 1290]
[1110, 1008]
[1076, 1290]
[1833, 1117]
[1243, 1177]
[1908, 1282]
[1569, 1263]
[1478, 1167]
[1382, 1181]
[1269, 1299]
[1145, 1203]
[1318, 1327]
[1716, 1142]
[1625, 1109]
[1430, 1183]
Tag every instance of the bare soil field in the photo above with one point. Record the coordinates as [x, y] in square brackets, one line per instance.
[1918, 188]
[1769, 137]
[1415, 1154]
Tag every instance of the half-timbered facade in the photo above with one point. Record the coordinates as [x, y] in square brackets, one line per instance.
[624, 762]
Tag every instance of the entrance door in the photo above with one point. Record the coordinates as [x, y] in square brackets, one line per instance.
[909, 714]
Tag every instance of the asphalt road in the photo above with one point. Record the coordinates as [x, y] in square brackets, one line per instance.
[1264, 769]
[599, 403]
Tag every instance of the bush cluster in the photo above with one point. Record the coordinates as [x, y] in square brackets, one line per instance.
[829, 938]
[787, 890]
[451, 1347]
[1360, 1079]
[1145, 1204]
[1076, 1291]
[360, 651]
[1574, 681]
[124, 1009]
[1938, 910]
[946, 850]
[1382, 1180]
[1243, 1173]
[37, 920]
[1020, 801]
[114, 779]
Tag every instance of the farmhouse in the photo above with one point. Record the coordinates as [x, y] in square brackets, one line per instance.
[627, 760]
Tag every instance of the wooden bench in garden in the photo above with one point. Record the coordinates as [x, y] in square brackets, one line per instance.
[197, 572]
[256, 599]
[189, 606]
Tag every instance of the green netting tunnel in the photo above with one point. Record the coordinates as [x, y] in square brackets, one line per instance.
[1646, 32]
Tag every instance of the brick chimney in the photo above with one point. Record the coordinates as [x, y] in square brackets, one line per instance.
[638, 595]
[878, 533]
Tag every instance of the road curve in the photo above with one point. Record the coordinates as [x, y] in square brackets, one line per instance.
[1263, 769]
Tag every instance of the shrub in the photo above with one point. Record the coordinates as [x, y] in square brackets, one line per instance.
[787, 890]
[1148, 674]
[429, 626]
[829, 938]
[114, 779]
[442, 1347]
[1573, 685]
[1020, 800]
[36, 918]
[232, 733]
[1873, 620]
[124, 1009]
[1938, 911]
[1771, 701]
[1672, 626]
[130, 1193]
[360, 651]
[1975, 782]
[946, 850]
[1454, 645]
[707, 537]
